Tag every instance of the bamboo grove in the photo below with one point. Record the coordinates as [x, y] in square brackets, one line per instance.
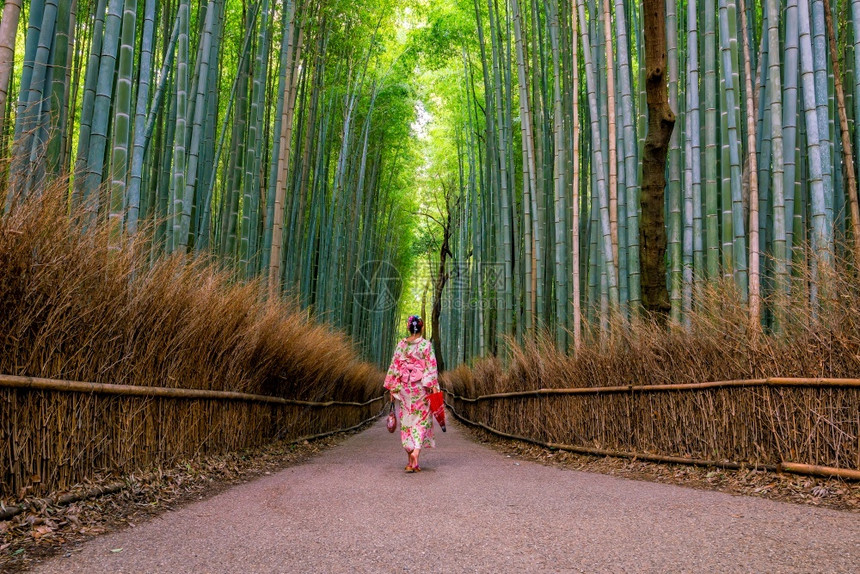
[261, 134]
[277, 138]
[761, 193]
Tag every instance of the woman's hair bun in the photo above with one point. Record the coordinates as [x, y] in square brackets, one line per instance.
[415, 324]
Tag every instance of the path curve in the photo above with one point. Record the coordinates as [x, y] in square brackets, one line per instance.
[353, 509]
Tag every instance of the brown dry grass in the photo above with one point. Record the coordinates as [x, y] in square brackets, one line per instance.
[73, 308]
[754, 425]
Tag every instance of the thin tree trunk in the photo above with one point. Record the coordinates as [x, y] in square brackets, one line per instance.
[8, 30]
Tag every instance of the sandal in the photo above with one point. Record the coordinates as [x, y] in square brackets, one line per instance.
[410, 470]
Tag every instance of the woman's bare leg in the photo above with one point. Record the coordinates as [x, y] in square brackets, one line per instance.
[413, 460]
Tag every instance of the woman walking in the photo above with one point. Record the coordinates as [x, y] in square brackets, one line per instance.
[411, 379]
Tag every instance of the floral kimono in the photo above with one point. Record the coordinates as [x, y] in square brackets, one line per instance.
[412, 377]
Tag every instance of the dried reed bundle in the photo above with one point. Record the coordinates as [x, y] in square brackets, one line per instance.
[755, 425]
[72, 307]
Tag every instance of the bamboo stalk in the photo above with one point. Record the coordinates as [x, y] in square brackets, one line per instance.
[7, 512]
[38, 384]
[816, 470]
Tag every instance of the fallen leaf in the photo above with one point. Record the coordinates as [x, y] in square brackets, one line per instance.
[116, 550]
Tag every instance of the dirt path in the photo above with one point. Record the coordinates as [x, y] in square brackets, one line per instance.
[353, 509]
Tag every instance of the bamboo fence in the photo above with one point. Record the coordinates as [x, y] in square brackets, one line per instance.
[809, 426]
[55, 434]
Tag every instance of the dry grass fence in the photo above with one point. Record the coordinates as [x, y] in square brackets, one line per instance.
[73, 308]
[60, 433]
[639, 393]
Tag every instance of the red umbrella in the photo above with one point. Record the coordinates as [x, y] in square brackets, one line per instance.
[437, 406]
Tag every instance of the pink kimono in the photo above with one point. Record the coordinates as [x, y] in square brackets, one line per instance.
[412, 377]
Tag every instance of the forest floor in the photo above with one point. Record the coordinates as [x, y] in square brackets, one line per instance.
[351, 508]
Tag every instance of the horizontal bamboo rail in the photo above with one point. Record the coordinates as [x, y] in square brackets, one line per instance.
[793, 467]
[7, 512]
[37, 384]
[816, 470]
[605, 452]
[769, 382]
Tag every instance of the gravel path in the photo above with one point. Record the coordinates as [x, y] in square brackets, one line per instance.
[353, 509]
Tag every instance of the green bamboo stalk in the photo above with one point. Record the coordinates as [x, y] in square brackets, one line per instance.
[203, 231]
[631, 171]
[790, 116]
[575, 183]
[101, 112]
[602, 191]
[283, 157]
[780, 251]
[711, 189]
[178, 180]
[27, 123]
[196, 128]
[673, 189]
[822, 233]
[692, 247]
[611, 140]
[253, 152]
[752, 166]
[739, 254]
[823, 94]
[141, 137]
[560, 199]
[122, 122]
[31, 46]
[505, 178]
[58, 107]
